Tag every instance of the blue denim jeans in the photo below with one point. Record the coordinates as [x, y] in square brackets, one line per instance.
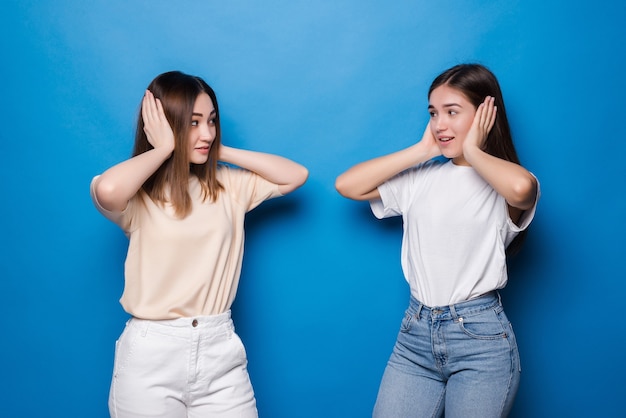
[460, 359]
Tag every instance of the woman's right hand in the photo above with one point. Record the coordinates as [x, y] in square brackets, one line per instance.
[157, 128]
[428, 144]
[361, 181]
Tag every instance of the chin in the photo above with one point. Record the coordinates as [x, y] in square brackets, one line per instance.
[449, 155]
[199, 161]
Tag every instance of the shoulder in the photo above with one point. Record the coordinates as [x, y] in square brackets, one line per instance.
[434, 165]
[421, 170]
[237, 180]
[226, 172]
[229, 175]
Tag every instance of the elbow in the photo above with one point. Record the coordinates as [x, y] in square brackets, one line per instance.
[344, 188]
[106, 194]
[104, 191]
[341, 187]
[524, 193]
[302, 176]
[299, 177]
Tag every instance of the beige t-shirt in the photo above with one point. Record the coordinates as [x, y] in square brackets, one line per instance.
[188, 267]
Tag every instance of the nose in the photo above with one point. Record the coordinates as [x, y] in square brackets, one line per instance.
[207, 133]
[440, 124]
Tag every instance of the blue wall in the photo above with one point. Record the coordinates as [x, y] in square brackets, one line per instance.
[327, 83]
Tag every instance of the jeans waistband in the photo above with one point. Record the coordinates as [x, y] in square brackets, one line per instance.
[487, 301]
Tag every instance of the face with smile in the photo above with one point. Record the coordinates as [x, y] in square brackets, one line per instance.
[451, 116]
[202, 131]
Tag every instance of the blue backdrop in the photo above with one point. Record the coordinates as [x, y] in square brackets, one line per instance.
[329, 84]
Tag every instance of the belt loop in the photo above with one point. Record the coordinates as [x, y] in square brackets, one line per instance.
[419, 311]
[453, 312]
[499, 297]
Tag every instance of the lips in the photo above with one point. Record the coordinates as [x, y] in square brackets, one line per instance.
[203, 150]
[446, 139]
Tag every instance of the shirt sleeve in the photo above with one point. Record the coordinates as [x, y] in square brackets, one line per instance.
[396, 193]
[388, 205]
[247, 188]
[528, 215]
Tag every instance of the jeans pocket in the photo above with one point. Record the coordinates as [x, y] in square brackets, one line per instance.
[514, 349]
[485, 325]
[405, 326]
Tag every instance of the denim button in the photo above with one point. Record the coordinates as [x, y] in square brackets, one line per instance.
[194, 323]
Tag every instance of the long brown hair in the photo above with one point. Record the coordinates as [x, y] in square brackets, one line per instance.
[170, 183]
[476, 82]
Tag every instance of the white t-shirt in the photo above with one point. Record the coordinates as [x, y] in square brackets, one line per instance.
[456, 230]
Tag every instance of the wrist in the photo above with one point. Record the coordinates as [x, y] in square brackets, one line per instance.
[224, 153]
[471, 152]
[164, 151]
[422, 152]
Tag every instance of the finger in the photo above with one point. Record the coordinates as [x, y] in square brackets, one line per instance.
[492, 121]
[154, 110]
[144, 108]
[480, 115]
[159, 110]
[487, 110]
[429, 135]
[427, 130]
[148, 107]
[488, 113]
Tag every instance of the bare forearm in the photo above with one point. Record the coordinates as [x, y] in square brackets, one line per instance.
[512, 181]
[288, 174]
[117, 185]
[362, 180]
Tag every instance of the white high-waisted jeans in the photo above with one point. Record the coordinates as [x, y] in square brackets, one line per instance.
[187, 367]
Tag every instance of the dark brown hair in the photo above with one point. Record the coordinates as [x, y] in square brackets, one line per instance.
[170, 183]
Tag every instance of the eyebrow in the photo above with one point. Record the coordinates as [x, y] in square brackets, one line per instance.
[200, 114]
[446, 105]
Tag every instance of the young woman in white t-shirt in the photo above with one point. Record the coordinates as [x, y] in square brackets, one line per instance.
[184, 214]
[465, 200]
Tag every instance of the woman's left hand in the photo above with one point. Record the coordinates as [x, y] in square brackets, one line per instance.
[484, 120]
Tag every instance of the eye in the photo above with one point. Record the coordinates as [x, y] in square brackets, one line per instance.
[432, 114]
[212, 121]
[453, 112]
[194, 123]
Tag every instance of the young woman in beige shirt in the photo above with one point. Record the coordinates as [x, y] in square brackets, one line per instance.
[183, 213]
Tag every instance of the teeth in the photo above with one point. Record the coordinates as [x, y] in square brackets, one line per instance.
[445, 139]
